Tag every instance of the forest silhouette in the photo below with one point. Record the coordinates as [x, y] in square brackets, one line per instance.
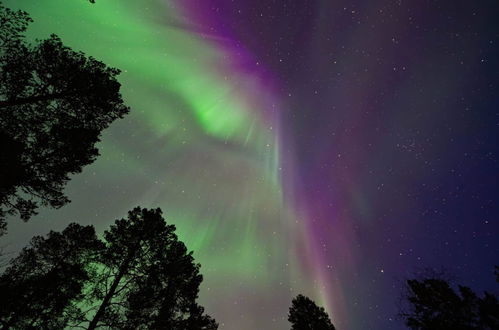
[54, 105]
[138, 276]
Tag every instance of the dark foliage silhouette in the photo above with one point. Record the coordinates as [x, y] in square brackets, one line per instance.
[40, 286]
[149, 280]
[434, 305]
[304, 314]
[139, 276]
[54, 104]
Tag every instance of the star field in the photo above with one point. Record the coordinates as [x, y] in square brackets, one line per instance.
[330, 148]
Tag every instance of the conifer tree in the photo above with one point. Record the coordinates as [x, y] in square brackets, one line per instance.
[304, 314]
[138, 276]
[54, 104]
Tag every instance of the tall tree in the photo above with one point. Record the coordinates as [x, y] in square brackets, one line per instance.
[54, 104]
[304, 314]
[40, 287]
[434, 305]
[149, 279]
[139, 277]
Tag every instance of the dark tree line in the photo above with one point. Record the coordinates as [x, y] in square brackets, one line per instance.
[433, 304]
[138, 276]
[54, 104]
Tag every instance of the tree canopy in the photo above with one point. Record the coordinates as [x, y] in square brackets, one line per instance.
[54, 104]
[138, 276]
[304, 314]
[434, 305]
[41, 286]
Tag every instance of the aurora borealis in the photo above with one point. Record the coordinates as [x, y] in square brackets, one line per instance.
[330, 148]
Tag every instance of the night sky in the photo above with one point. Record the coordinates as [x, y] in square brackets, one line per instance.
[331, 148]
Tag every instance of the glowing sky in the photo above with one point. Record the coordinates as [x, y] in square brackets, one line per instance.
[328, 148]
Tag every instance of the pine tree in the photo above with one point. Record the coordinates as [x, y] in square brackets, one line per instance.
[54, 104]
[41, 286]
[434, 305]
[139, 276]
[304, 314]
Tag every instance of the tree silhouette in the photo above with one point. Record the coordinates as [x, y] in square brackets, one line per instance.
[435, 305]
[304, 314]
[54, 104]
[149, 280]
[139, 276]
[40, 287]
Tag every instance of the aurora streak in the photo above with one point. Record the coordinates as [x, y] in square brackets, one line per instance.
[216, 138]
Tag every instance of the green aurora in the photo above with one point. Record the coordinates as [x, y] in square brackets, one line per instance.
[200, 142]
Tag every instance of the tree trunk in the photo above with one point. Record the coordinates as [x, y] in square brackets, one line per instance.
[32, 99]
[107, 299]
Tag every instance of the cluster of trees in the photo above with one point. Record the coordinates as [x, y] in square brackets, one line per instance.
[433, 304]
[54, 104]
[137, 276]
[430, 303]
